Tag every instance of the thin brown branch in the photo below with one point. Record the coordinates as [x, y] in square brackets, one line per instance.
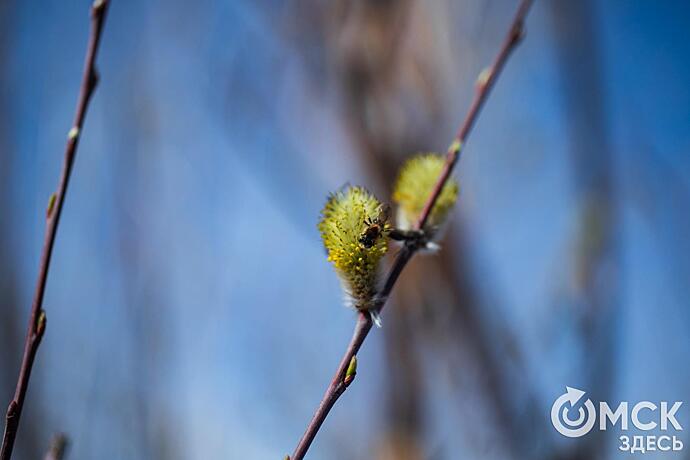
[485, 82]
[58, 447]
[37, 320]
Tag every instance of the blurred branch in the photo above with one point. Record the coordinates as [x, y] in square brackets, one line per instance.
[58, 447]
[37, 320]
[11, 321]
[485, 82]
[596, 274]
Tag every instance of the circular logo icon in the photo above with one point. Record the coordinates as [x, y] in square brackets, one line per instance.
[579, 425]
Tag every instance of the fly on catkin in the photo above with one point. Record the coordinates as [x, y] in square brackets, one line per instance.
[354, 230]
[414, 185]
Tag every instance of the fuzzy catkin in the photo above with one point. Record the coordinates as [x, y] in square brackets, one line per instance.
[347, 215]
[415, 183]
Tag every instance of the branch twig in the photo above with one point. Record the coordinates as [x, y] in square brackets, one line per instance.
[37, 320]
[485, 82]
[58, 447]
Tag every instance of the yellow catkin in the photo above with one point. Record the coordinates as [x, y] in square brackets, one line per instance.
[414, 185]
[345, 218]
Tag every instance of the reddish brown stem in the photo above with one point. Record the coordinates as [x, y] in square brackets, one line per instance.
[337, 386]
[37, 320]
[364, 322]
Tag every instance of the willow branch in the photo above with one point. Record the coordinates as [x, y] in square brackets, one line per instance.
[485, 82]
[58, 447]
[37, 319]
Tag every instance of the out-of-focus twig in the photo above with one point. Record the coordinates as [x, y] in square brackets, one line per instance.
[10, 313]
[596, 276]
[485, 82]
[58, 447]
[37, 320]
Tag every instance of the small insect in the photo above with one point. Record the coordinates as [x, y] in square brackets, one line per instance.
[375, 227]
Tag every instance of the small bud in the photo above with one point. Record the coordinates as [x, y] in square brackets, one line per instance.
[41, 323]
[354, 228]
[351, 371]
[483, 77]
[455, 147]
[98, 5]
[287, 457]
[73, 133]
[415, 184]
[518, 33]
[12, 409]
[51, 205]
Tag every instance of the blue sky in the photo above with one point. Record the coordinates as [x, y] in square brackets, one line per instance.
[188, 273]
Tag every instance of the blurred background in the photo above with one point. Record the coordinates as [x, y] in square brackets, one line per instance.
[191, 309]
